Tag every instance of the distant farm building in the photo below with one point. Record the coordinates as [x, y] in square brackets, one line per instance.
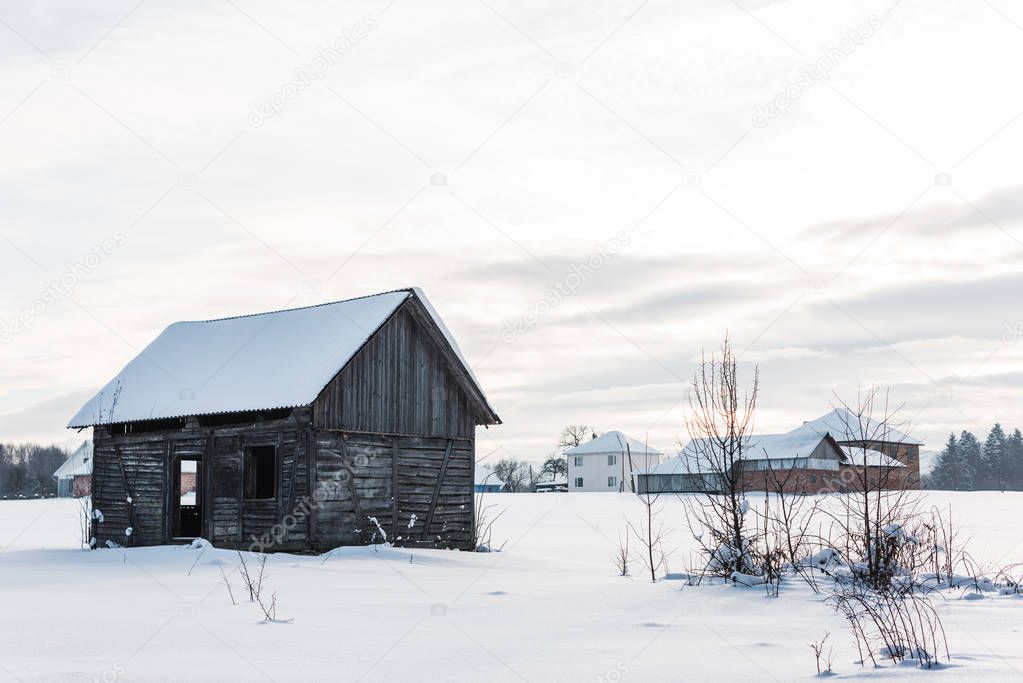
[302, 429]
[608, 463]
[487, 480]
[821, 456]
[74, 477]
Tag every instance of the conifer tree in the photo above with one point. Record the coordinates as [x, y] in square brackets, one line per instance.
[970, 457]
[994, 475]
[1014, 460]
[947, 473]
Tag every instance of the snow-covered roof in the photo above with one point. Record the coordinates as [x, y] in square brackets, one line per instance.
[612, 443]
[486, 477]
[845, 426]
[868, 457]
[78, 463]
[223, 366]
[798, 443]
[676, 465]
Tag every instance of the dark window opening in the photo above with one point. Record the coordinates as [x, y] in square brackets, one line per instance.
[260, 472]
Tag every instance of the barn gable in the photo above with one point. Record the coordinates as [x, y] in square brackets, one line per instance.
[406, 379]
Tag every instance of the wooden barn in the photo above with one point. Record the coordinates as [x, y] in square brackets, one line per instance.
[302, 430]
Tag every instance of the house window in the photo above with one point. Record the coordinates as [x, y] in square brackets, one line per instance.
[612, 460]
[612, 481]
[578, 482]
[579, 462]
[260, 472]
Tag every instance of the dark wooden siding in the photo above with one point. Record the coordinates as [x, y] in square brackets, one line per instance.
[356, 479]
[136, 466]
[147, 461]
[401, 382]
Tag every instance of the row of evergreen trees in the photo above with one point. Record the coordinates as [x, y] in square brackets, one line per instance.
[967, 465]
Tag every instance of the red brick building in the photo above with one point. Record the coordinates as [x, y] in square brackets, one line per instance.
[836, 453]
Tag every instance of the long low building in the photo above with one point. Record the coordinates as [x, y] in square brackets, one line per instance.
[834, 453]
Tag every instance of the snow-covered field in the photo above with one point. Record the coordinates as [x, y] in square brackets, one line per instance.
[549, 607]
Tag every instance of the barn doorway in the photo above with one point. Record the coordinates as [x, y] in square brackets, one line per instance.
[187, 497]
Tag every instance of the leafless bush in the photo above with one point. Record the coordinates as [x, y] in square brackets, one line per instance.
[483, 524]
[895, 623]
[872, 521]
[230, 591]
[650, 534]
[720, 424]
[270, 610]
[85, 521]
[818, 652]
[621, 556]
[254, 584]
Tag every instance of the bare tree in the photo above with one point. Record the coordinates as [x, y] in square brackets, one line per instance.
[575, 435]
[650, 534]
[515, 474]
[554, 467]
[720, 424]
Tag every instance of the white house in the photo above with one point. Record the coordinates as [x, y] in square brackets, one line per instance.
[608, 463]
[74, 477]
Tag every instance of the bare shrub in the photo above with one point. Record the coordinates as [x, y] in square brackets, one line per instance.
[818, 652]
[483, 522]
[896, 623]
[254, 584]
[230, 591]
[85, 521]
[650, 535]
[621, 556]
[270, 610]
[720, 424]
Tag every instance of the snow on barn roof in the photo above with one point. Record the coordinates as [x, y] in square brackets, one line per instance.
[221, 366]
[868, 457]
[845, 426]
[798, 443]
[612, 443]
[77, 464]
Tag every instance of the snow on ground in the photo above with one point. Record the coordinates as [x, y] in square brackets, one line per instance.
[548, 607]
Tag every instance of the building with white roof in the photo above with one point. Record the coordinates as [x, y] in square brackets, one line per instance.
[609, 463]
[224, 429]
[74, 476]
[835, 452]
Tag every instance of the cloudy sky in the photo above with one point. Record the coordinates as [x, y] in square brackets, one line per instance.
[590, 193]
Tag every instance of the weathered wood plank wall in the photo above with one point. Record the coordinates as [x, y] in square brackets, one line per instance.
[401, 382]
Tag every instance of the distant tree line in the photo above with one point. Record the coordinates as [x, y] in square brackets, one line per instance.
[26, 470]
[966, 464]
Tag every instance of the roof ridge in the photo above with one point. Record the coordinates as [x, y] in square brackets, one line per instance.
[407, 290]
